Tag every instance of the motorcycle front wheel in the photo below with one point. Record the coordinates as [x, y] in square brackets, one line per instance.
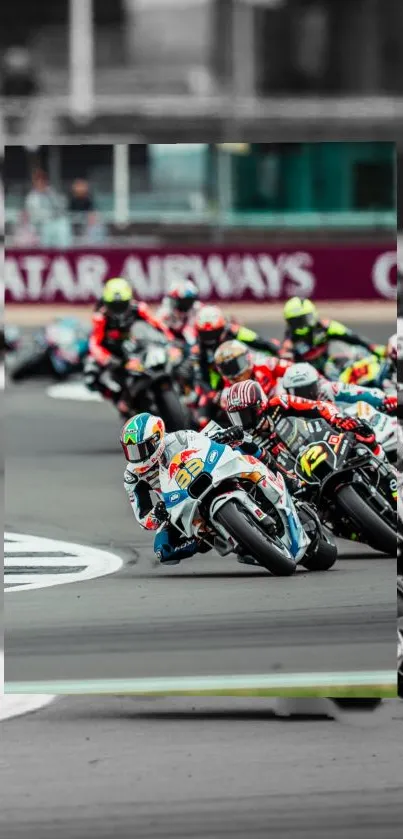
[381, 536]
[241, 525]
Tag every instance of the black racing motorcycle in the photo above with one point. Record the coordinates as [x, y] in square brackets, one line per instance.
[354, 491]
[149, 379]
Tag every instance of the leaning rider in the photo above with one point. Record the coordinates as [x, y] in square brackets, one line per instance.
[307, 336]
[148, 450]
[212, 329]
[304, 380]
[249, 407]
[112, 320]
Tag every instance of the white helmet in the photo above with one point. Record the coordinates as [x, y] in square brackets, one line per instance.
[302, 380]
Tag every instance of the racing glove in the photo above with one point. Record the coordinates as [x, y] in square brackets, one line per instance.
[389, 405]
[363, 432]
[159, 513]
[230, 436]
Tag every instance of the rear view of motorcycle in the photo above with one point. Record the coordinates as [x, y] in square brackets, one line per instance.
[150, 381]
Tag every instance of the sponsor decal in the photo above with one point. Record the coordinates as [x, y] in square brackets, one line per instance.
[253, 273]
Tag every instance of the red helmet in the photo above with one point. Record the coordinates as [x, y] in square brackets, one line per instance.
[210, 326]
[245, 402]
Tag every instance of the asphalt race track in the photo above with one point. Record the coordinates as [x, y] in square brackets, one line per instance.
[92, 768]
[207, 616]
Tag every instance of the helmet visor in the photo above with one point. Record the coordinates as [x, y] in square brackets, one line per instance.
[231, 368]
[210, 337]
[309, 391]
[302, 324]
[183, 304]
[245, 417]
[141, 452]
[118, 307]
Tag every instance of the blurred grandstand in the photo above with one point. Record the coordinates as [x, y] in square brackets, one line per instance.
[156, 193]
[133, 70]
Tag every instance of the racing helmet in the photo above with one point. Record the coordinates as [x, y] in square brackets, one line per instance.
[302, 380]
[183, 294]
[117, 296]
[245, 401]
[234, 361]
[143, 441]
[210, 326]
[301, 316]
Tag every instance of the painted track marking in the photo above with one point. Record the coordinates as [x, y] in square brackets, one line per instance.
[32, 562]
[198, 685]
[14, 705]
[74, 391]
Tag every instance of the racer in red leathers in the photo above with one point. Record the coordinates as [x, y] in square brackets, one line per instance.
[236, 363]
[112, 320]
[212, 329]
[250, 408]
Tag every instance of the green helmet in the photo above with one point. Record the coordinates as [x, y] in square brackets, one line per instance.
[117, 295]
[301, 316]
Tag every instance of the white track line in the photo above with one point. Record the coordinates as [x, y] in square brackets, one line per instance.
[190, 684]
[14, 705]
[74, 391]
[91, 562]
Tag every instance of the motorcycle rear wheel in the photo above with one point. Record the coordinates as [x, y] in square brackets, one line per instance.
[247, 533]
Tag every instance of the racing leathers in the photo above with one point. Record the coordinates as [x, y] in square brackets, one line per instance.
[180, 324]
[145, 495]
[339, 392]
[266, 417]
[314, 348]
[107, 347]
[208, 382]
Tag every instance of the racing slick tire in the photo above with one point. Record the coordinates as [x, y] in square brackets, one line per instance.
[381, 536]
[171, 410]
[254, 541]
[29, 365]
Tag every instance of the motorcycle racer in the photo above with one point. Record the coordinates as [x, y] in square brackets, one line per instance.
[303, 380]
[179, 309]
[249, 407]
[114, 315]
[236, 363]
[145, 445]
[307, 336]
[212, 329]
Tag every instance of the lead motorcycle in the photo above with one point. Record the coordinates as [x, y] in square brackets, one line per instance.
[237, 505]
[354, 491]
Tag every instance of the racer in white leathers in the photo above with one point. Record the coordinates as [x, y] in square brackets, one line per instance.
[305, 381]
[149, 450]
[179, 309]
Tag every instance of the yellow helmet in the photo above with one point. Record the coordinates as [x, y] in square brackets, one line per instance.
[301, 315]
[117, 296]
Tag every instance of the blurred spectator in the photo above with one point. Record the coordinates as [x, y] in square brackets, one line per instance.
[19, 77]
[81, 200]
[25, 234]
[46, 212]
[95, 231]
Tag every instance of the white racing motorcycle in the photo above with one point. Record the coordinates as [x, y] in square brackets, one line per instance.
[236, 504]
[385, 426]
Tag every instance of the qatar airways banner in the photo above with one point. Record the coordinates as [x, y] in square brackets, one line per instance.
[221, 274]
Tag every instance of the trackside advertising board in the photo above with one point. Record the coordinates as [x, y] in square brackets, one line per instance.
[221, 274]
